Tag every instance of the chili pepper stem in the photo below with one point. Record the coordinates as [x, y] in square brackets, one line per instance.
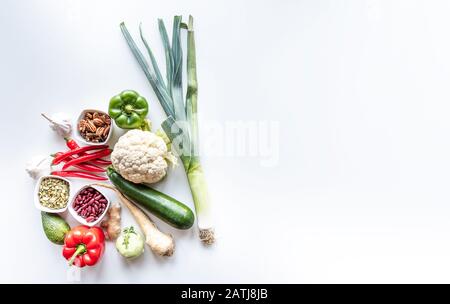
[81, 249]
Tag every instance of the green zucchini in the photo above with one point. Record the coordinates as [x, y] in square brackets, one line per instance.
[161, 205]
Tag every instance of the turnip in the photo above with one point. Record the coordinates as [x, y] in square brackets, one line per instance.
[130, 244]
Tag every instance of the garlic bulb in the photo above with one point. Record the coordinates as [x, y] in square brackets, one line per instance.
[60, 123]
[38, 166]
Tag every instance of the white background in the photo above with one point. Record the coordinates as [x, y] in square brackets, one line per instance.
[361, 93]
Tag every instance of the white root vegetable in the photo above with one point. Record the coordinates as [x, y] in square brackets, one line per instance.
[159, 242]
[130, 243]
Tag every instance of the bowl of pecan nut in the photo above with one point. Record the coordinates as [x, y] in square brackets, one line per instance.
[94, 127]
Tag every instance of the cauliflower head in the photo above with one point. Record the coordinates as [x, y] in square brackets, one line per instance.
[140, 157]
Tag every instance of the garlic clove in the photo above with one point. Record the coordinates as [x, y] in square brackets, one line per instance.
[38, 166]
[60, 123]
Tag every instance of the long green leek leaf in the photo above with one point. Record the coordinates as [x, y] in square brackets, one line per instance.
[192, 89]
[177, 86]
[158, 88]
[168, 54]
[180, 143]
[152, 57]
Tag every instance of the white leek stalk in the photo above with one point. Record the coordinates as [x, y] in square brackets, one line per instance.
[195, 175]
[201, 199]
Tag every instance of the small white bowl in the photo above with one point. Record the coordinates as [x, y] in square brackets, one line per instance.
[80, 138]
[37, 203]
[81, 219]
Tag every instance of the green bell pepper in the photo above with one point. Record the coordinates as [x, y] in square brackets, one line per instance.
[129, 109]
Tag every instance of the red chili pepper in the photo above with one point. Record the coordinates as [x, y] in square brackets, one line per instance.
[79, 174]
[87, 157]
[101, 162]
[63, 156]
[72, 145]
[83, 166]
[84, 246]
[90, 168]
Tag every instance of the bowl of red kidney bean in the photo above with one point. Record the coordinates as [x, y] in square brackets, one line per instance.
[89, 205]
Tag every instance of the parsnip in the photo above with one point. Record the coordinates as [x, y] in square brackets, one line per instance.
[159, 242]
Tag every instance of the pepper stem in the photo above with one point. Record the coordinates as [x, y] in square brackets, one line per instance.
[80, 250]
[128, 108]
[146, 125]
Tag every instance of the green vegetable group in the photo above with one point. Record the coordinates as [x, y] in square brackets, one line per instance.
[169, 92]
[129, 109]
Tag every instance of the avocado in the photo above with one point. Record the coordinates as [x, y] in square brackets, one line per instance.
[55, 227]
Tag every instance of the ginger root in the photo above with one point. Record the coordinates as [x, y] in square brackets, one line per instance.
[112, 222]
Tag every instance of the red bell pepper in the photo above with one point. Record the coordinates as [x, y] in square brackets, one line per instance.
[84, 245]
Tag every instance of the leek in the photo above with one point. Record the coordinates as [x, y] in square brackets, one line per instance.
[181, 124]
